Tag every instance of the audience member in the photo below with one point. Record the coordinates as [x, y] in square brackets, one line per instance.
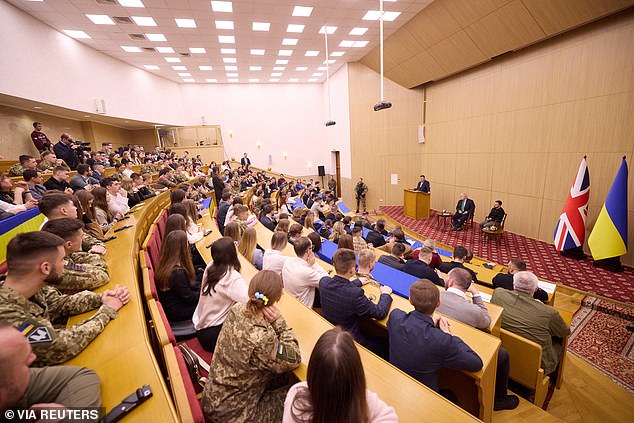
[223, 208]
[421, 269]
[457, 260]
[338, 230]
[104, 217]
[267, 217]
[505, 280]
[375, 237]
[345, 242]
[395, 259]
[301, 274]
[366, 261]
[273, 258]
[248, 248]
[283, 225]
[33, 178]
[83, 178]
[59, 180]
[495, 216]
[357, 239]
[117, 202]
[25, 162]
[17, 200]
[65, 149]
[88, 214]
[50, 162]
[39, 138]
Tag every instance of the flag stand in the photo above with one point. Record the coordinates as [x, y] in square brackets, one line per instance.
[613, 264]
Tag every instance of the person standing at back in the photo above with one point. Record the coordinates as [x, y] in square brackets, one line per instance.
[360, 192]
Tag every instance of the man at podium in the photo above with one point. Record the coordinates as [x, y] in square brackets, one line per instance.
[423, 185]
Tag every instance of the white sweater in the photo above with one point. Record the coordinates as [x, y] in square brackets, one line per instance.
[301, 279]
[273, 260]
[212, 309]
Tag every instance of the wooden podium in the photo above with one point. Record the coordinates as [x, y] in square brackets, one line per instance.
[416, 204]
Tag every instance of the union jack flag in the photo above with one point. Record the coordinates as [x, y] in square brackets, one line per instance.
[571, 226]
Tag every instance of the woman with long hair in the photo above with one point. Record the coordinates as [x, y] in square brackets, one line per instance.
[175, 222]
[283, 225]
[176, 278]
[222, 287]
[86, 212]
[338, 229]
[273, 258]
[255, 346]
[177, 196]
[133, 196]
[248, 248]
[335, 389]
[346, 241]
[309, 221]
[232, 230]
[103, 215]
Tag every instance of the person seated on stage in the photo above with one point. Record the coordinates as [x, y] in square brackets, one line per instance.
[273, 258]
[267, 217]
[301, 274]
[421, 269]
[319, 208]
[532, 319]
[118, 202]
[421, 344]
[335, 386]
[455, 304]
[346, 241]
[25, 162]
[15, 200]
[398, 237]
[294, 232]
[358, 242]
[464, 209]
[375, 236]
[505, 280]
[59, 181]
[457, 260]
[222, 286]
[423, 185]
[47, 387]
[338, 230]
[248, 247]
[395, 259]
[83, 179]
[175, 278]
[50, 162]
[495, 216]
[33, 179]
[81, 270]
[344, 303]
[247, 380]
[366, 262]
[30, 302]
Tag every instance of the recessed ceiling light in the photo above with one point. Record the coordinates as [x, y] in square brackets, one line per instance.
[346, 43]
[374, 15]
[312, 53]
[179, 67]
[156, 37]
[293, 80]
[261, 26]
[294, 28]
[302, 11]
[358, 31]
[328, 62]
[301, 68]
[143, 21]
[172, 59]
[185, 23]
[229, 60]
[205, 67]
[197, 50]
[37, 107]
[151, 67]
[257, 52]
[274, 80]
[322, 68]
[189, 80]
[254, 80]
[337, 53]
[226, 39]
[255, 68]
[211, 80]
[312, 79]
[279, 68]
[318, 74]
[86, 115]
[131, 49]
[131, 3]
[232, 75]
[100, 19]
[281, 62]
[289, 41]
[227, 51]
[165, 49]
[231, 68]
[233, 80]
[184, 74]
[331, 29]
[285, 53]
[221, 6]
[224, 24]
[76, 34]
[276, 74]
[358, 44]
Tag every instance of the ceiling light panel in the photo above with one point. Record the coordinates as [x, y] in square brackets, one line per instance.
[151, 67]
[189, 80]
[165, 49]
[285, 53]
[312, 53]
[131, 49]
[143, 20]
[257, 52]
[358, 31]
[185, 23]
[131, 3]
[156, 37]
[232, 80]
[100, 19]
[197, 50]
[76, 34]
[289, 41]
[232, 75]
[373, 15]
[281, 62]
[229, 60]
[179, 68]
[211, 80]
[255, 68]
[205, 68]
[226, 39]
[302, 11]
[184, 74]
[222, 6]
[279, 68]
[295, 28]
[231, 68]
[224, 24]
[227, 51]
[331, 29]
[337, 53]
[301, 68]
[172, 60]
[261, 26]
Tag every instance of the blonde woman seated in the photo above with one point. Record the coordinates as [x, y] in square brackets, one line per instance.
[254, 350]
[335, 389]
[273, 258]
[283, 225]
[233, 231]
[338, 230]
[248, 248]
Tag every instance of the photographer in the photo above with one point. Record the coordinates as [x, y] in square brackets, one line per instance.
[66, 149]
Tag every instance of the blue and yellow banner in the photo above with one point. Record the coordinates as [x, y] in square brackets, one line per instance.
[27, 221]
[609, 235]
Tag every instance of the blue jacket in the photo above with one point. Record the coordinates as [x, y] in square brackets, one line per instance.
[420, 349]
[423, 271]
[343, 303]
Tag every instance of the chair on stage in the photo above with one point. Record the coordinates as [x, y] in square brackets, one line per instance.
[496, 231]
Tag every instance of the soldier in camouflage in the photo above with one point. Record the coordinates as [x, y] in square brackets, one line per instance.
[26, 162]
[28, 302]
[254, 348]
[50, 162]
[366, 265]
[180, 176]
[81, 270]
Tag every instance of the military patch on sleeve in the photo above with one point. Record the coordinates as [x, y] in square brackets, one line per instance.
[35, 334]
[286, 354]
[74, 266]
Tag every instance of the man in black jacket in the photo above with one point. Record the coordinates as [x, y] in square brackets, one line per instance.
[267, 217]
[64, 149]
[464, 208]
[420, 268]
[495, 216]
[59, 181]
[374, 237]
[223, 208]
[505, 280]
[459, 255]
[423, 185]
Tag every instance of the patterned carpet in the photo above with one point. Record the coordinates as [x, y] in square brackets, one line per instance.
[600, 337]
[540, 256]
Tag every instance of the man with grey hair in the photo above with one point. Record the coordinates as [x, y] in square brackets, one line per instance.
[528, 317]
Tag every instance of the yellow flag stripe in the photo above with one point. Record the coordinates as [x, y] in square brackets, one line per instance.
[605, 240]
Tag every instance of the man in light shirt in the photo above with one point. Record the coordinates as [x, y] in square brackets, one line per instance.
[118, 203]
[454, 302]
[301, 274]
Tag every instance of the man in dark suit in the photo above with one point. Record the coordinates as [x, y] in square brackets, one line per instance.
[374, 237]
[245, 161]
[459, 255]
[65, 151]
[495, 216]
[464, 209]
[421, 343]
[423, 185]
[505, 280]
[420, 268]
[267, 217]
[223, 208]
[344, 303]
[395, 259]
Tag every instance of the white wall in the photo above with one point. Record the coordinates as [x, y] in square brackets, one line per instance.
[338, 135]
[42, 64]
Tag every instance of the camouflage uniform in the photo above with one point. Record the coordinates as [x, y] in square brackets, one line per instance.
[180, 177]
[235, 187]
[16, 170]
[369, 277]
[89, 241]
[147, 169]
[45, 166]
[166, 182]
[33, 315]
[117, 176]
[248, 355]
[84, 271]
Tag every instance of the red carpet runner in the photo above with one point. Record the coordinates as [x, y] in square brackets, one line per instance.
[540, 256]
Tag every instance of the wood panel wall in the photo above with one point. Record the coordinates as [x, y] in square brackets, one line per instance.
[513, 129]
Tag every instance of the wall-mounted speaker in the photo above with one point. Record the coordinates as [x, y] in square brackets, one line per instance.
[321, 170]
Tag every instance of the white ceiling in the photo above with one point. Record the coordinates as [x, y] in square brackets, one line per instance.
[109, 39]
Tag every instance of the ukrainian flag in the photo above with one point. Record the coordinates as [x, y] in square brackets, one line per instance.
[609, 235]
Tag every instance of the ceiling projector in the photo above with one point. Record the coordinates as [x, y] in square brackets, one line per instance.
[382, 105]
[330, 123]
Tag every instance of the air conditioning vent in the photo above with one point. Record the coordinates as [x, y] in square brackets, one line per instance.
[149, 49]
[185, 54]
[122, 20]
[138, 36]
[110, 2]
